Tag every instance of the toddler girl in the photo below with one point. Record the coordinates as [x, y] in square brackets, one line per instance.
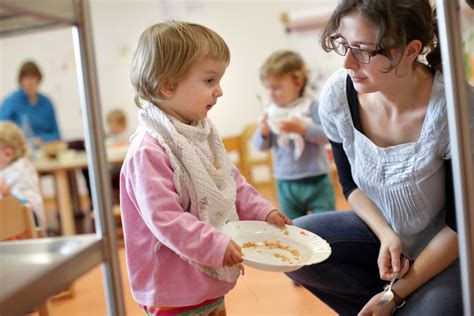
[178, 186]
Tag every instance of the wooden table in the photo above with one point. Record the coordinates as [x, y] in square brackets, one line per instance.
[59, 168]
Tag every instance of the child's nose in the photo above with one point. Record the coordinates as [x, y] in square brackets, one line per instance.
[218, 92]
[273, 95]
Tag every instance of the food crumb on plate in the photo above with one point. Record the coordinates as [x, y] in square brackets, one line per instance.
[249, 244]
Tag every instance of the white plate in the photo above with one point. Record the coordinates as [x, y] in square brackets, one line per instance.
[267, 247]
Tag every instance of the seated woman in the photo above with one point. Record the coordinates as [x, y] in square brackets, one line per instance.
[385, 115]
[34, 113]
[29, 109]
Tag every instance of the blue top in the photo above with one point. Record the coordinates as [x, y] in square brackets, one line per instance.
[41, 116]
[312, 162]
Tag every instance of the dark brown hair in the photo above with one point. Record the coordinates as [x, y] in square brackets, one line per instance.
[396, 24]
[29, 68]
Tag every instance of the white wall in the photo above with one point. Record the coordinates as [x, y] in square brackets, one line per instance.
[252, 30]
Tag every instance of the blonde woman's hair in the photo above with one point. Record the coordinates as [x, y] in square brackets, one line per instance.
[285, 62]
[165, 53]
[12, 136]
[116, 116]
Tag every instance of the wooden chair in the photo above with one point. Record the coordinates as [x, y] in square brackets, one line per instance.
[17, 222]
[233, 146]
[118, 225]
[252, 161]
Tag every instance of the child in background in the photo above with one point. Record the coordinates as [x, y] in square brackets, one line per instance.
[178, 187]
[116, 128]
[291, 127]
[18, 176]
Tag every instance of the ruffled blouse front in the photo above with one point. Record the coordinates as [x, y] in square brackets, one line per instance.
[405, 181]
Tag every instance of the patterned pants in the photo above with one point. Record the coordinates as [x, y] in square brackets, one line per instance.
[213, 307]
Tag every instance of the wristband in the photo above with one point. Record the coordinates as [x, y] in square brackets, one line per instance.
[399, 302]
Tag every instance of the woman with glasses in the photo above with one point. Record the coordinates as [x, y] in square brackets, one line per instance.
[385, 115]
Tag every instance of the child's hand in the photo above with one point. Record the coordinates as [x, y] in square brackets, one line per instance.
[263, 125]
[293, 125]
[277, 218]
[233, 254]
[4, 189]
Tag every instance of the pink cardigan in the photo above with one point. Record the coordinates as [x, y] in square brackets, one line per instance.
[151, 212]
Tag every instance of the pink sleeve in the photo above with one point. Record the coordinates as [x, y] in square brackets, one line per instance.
[250, 204]
[148, 179]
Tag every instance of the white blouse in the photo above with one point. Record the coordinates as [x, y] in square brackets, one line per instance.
[405, 181]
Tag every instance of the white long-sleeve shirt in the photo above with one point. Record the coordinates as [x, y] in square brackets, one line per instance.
[23, 180]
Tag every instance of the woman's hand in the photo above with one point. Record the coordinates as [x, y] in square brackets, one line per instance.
[390, 258]
[233, 254]
[277, 218]
[372, 309]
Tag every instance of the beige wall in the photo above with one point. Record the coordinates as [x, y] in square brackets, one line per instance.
[252, 30]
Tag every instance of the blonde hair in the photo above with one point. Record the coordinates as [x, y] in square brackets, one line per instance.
[116, 116]
[165, 53]
[285, 62]
[12, 136]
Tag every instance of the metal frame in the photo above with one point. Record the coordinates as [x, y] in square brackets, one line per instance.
[460, 137]
[20, 16]
[101, 193]
[458, 117]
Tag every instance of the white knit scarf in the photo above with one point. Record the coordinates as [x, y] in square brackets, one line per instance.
[277, 114]
[202, 173]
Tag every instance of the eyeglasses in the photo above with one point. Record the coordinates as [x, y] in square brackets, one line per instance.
[360, 55]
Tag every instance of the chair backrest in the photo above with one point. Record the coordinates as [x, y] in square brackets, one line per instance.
[251, 161]
[233, 146]
[16, 220]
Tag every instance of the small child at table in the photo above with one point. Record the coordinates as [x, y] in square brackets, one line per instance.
[18, 176]
[116, 128]
[116, 137]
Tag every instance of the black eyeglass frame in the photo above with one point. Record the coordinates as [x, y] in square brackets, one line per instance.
[354, 50]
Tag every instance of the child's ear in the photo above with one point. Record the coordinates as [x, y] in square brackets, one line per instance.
[298, 82]
[167, 89]
[9, 152]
